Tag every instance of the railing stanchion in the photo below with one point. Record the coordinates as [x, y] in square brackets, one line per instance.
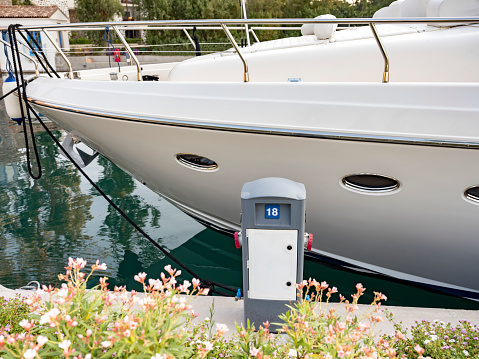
[383, 52]
[235, 45]
[70, 70]
[130, 52]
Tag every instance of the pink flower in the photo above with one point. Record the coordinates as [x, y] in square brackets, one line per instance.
[360, 288]
[106, 344]
[169, 270]
[419, 350]
[196, 282]
[156, 284]
[221, 329]
[79, 263]
[140, 277]
[254, 352]
[377, 318]
[97, 266]
[25, 324]
[49, 317]
[204, 291]
[380, 296]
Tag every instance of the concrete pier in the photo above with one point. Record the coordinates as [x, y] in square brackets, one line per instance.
[228, 311]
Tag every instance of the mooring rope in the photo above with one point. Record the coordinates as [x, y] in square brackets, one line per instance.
[21, 87]
[22, 94]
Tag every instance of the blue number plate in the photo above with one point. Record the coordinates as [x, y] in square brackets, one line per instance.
[271, 211]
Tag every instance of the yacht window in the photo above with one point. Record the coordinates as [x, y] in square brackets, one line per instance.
[196, 162]
[370, 183]
[472, 193]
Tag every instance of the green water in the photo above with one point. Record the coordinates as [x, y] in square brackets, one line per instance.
[44, 222]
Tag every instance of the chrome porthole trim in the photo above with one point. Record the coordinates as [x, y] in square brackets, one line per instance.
[196, 162]
[472, 194]
[370, 183]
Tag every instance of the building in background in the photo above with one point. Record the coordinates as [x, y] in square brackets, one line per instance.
[35, 15]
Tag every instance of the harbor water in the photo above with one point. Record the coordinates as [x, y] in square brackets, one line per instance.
[45, 221]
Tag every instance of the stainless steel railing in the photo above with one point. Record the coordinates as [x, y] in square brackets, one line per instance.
[224, 24]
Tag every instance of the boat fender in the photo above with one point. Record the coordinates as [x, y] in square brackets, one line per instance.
[116, 56]
[325, 31]
[308, 29]
[454, 8]
[12, 105]
[238, 240]
[308, 241]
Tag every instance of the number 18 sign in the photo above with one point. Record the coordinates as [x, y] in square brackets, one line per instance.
[271, 211]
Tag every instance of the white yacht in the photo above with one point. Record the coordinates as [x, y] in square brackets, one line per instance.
[380, 121]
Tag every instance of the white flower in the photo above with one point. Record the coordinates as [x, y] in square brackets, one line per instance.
[48, 317]
[41, 340]
[452, 341]
[427, 342]
[106, 344]
[433, 337]
[30, 354]
[65, 344]
[88, 356]
[466, 353]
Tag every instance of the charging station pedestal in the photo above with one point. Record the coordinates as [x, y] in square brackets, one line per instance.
[272, 239]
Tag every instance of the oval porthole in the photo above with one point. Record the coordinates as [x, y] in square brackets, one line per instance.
[371, 183]
[196, 162]
[472, 193]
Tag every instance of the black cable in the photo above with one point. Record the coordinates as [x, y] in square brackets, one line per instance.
[197, 42]
[21, 87]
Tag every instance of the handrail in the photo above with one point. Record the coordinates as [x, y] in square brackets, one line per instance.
[130, 52]
[383, 52]
[352, 21]
[70, 69]
[245, 22]
[35, 62]
[235, 45]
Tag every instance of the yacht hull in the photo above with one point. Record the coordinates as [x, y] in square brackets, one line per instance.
[425, 231]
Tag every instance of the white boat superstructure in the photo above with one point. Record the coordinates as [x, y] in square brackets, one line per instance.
[380, 122]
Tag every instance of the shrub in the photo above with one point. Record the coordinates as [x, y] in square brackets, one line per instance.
[79, 41]
[78, 323]
[12, 311]
[437, 340]
[100, 323]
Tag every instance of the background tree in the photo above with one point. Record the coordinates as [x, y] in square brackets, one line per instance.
[96, 11]
[21, 2]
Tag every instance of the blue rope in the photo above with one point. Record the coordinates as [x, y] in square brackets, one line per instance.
[108, 38]
[9, 65]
